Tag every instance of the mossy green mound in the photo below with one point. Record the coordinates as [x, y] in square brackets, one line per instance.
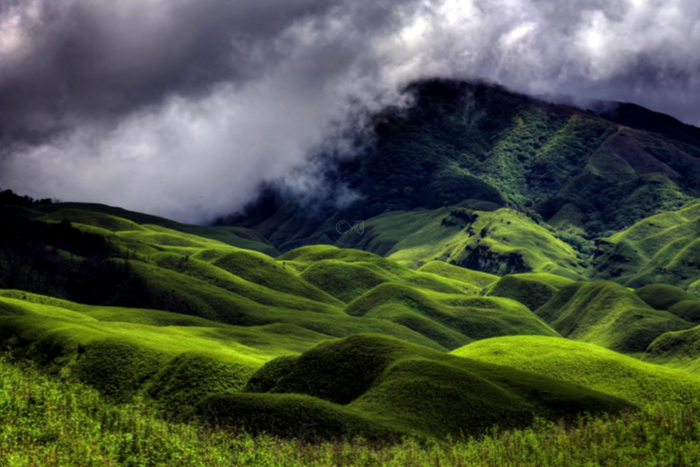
[161, 269]
[114, 219]
[458, 318]
[679, 349]
[388, 383]
[688, 310]
[532, 290]
[662, 296]
[94, 219]
[477, 279]
[661, 249]
[344, 281]
[265, 271]
[588, 365]
[607, 314]
[498, 243]
[175, 359]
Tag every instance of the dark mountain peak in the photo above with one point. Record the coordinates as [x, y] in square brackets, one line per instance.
[460, 141]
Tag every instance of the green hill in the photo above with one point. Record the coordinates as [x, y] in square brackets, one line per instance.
[377, 386]
[476, 280]
[609, 315]
[175, 359]
[99, 215]
[661, 249]
[500, 242]
[451, 320]
[587, 365]
[110, 261]
[679, 349]
[532, 290]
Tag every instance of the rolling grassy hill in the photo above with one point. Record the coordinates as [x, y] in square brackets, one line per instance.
[679, 349]
[587, 365]
[448, 318]
[609, 315]
[175, 359]
[658, 249]
[100, 215]
[504, 254]
[500, 242]
[532, 290]
[375, 386]
[58, 423]
[325, 342]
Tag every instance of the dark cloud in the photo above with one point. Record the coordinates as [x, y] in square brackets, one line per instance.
[183, 107]
[78, 59]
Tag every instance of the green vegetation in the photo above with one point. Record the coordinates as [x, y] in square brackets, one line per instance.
[607, 314]
[60, 423]
[482, 147]
[659, 249]
[477, 279]
[502, 242]
[175, 359]
[97, 214]
[588, 365]
[678, 349]
[375, 386]
[486, 223]
[452, 320]
[662, 296]
[532, 290]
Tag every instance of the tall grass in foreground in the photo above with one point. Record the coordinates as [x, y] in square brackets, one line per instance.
[44, 422]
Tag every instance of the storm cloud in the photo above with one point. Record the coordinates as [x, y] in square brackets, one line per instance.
[182, 108]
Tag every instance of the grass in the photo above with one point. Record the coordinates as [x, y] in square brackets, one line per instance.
[532, 290]
[588, 365]
[99, 215]
[477, 279]
[113, 350]
[381, 386]
[459, 319]
[161, 269]
[661, 249]
[662, 296]
[679, 349]
[58, 423]
[609, 315]
[498, 243]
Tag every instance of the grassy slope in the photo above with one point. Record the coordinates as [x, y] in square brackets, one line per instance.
[588, 365]
[659, 249]
[460, 142]
[532, 290]
[678, 349]
[187, 274]
[607, 314]
[123, 352]
[76, 212]
[378, 384]
[58, 423]
[500, 242]
[476, 279]
[449, 318]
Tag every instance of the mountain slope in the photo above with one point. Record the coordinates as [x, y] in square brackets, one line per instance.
[461, 142]
[659, 249]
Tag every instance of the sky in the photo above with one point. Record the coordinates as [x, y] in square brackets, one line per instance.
[182, 108]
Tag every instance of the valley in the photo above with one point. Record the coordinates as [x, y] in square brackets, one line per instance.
[524, 271]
